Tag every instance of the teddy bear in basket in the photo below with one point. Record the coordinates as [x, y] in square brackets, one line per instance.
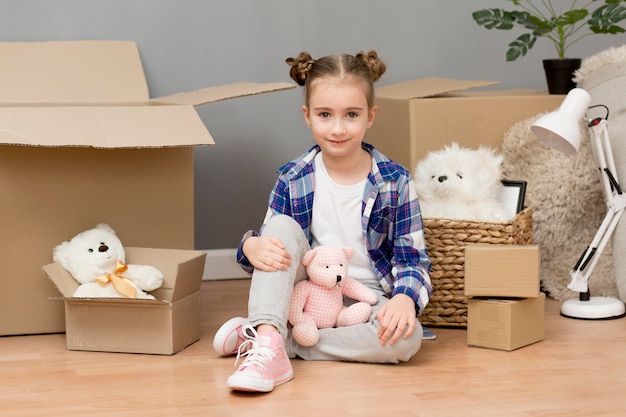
[96, 259]
[460, 183]
[317, 303]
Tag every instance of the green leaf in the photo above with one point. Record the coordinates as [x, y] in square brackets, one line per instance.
[603, 19]
[539, 26]
[571, 17]
[531, 22]
[494, 19]
[520, 46]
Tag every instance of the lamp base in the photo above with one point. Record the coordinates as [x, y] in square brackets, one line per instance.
[596, 308]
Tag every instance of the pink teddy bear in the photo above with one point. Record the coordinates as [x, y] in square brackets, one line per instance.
[317, 303]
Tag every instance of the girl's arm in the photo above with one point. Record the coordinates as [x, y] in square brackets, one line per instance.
[412, 286]
[411, 261]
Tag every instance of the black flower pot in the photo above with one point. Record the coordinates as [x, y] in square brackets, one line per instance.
[559, 74]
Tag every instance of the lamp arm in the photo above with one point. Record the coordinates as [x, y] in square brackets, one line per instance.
[588, 260]
[615, 201]
[602, 151]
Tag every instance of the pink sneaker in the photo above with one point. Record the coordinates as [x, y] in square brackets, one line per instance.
[266, 364]
[229, 337]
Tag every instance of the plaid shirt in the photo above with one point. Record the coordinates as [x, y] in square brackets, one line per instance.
[391, 221]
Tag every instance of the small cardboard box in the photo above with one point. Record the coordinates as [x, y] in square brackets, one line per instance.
[415, 117]
[81, 142]
[163, 326]
[502, 271]
[505, 324]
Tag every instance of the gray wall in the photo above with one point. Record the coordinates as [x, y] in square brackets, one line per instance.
[190, 44]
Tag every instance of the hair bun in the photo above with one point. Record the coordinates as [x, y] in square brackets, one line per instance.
[374, 63]
[300, 67]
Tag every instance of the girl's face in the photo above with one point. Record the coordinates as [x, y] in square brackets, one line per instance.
[338, 116]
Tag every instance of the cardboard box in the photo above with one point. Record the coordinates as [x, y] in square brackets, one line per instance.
[423, 115]
[505, 324]
[81, 142]
[502, 271]
[163, 326]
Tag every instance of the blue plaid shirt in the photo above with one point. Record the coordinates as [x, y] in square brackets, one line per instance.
[391, 221]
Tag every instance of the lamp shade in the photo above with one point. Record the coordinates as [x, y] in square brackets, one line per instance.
[560, 130]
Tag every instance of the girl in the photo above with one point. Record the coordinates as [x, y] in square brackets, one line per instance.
[341, 192]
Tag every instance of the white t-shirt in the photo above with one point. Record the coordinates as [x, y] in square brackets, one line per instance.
[337, 221]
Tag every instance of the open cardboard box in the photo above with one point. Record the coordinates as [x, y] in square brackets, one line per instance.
[162, 326]
[82, 142]
[418, 116]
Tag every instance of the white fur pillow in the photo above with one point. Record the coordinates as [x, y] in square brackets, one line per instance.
[604, 77]
[568, 207]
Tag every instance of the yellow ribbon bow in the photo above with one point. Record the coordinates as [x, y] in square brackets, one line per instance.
[122, 284]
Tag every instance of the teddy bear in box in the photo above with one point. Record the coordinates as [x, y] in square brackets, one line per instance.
[460, 183]
[96, 259]
[317, 303]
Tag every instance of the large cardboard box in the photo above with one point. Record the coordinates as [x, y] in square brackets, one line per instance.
[415, 117]
[163, 326]
[81, 142]
[505, 324]
[502, 271]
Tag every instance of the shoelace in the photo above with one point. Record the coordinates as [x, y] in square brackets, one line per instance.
[255, 355]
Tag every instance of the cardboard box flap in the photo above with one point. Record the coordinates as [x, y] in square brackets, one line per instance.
[103, 127]
[189, 276]
[428, 87]
[182, 269]
[71, 72]
[223, 92]
[520, 94]
[62, 279]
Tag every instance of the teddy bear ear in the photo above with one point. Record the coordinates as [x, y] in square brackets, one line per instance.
[308, 257]
[105, 226]
[349, 251]
[491, 155]
[59, 253]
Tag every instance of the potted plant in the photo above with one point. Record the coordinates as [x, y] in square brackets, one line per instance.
[562, 26]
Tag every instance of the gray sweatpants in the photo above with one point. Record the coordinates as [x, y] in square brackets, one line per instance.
[269, 299]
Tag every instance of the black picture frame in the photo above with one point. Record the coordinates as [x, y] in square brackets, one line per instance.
[512, 195]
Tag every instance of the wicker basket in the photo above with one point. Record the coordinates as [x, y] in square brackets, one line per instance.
[446, 240]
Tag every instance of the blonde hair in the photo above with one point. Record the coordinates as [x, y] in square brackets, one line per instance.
[363, 68]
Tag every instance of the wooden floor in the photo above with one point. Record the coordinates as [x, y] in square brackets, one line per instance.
[579, 370]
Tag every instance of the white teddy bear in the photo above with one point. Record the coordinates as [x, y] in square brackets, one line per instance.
[96, 259]
[460, 183]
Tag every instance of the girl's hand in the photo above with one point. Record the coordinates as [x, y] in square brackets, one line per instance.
[266, 253]
[396, 317]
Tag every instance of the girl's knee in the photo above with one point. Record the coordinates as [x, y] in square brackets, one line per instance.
[407, 348]
[281, 222]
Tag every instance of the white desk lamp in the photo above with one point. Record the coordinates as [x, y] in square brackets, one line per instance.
[561, 131]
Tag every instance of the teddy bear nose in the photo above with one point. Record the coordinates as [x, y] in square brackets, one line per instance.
[442, 178]
[103, 248]
[338, 278]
